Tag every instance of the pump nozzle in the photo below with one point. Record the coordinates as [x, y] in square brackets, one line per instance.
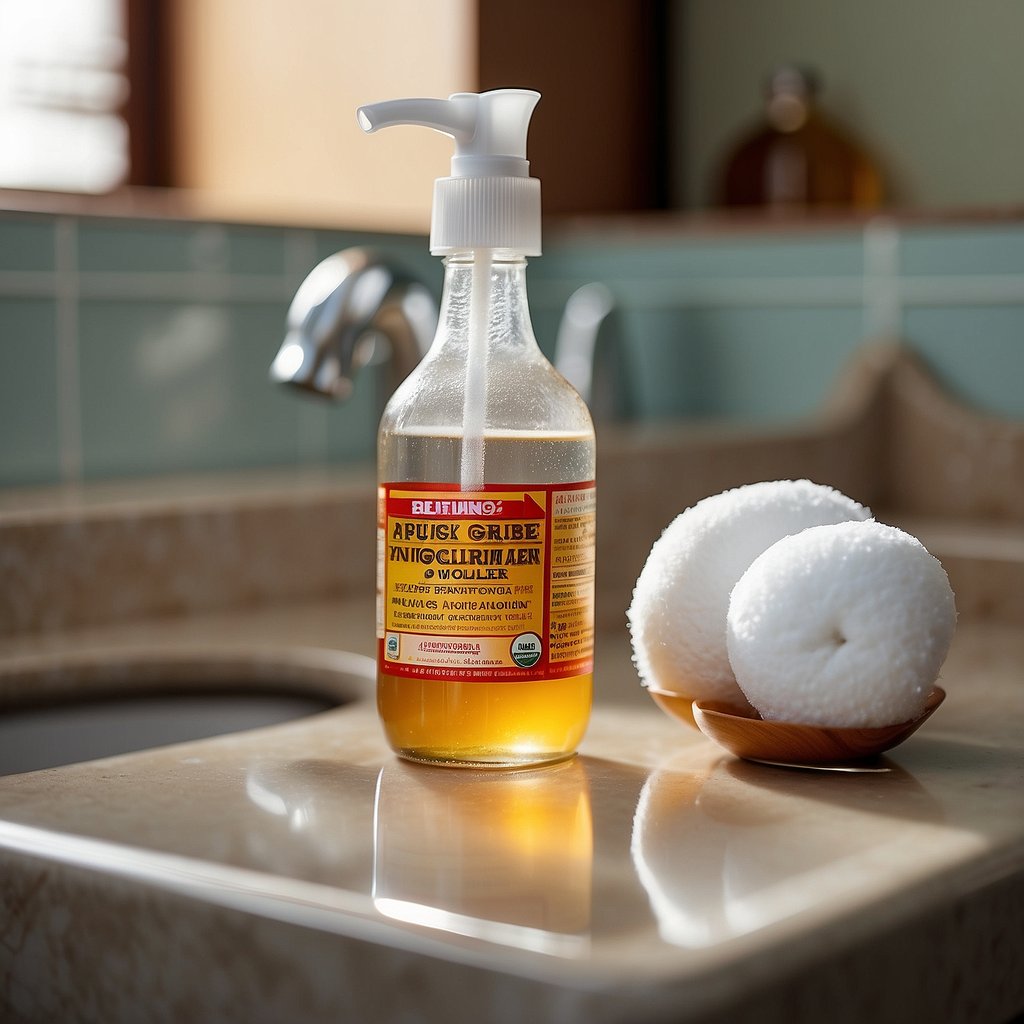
[442, 115]
[490, 201]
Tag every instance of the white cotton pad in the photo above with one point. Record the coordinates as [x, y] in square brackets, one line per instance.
[844, 625]
[677, 618]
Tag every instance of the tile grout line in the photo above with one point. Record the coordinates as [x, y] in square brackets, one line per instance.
[649, 293]
[299, 256]
[883, 306]
[69, 391]
[704, 293]
[182, 286]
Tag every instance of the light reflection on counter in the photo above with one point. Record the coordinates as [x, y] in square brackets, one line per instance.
[505, 857]
[314, 821]
[688, 853]
[721, 858]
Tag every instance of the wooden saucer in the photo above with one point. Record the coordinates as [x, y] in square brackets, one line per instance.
[744, 733]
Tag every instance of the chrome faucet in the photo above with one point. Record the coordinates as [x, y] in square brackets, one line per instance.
[357, 298]
[345, 308]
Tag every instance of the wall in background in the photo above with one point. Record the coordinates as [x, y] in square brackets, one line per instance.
[141, 347]
[931, 86]
[264, 102]
[248, 105]
[265, 95]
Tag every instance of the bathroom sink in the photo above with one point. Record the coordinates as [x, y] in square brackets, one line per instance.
[61, 711]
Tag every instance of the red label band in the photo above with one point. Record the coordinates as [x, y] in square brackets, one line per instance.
[494, 585]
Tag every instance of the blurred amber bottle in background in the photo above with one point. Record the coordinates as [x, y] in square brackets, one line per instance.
[798, 157]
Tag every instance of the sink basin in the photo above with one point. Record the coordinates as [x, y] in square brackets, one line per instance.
[65, 710]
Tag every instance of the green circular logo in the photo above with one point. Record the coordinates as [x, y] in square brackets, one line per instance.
[526, 650]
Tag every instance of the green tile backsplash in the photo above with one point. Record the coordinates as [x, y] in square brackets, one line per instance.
[150, 247]
[772, 364]
[988, 249]
[26, 243]
[141, 346]
[173, 387]
[29, 443]
[976, 351]
[662, 352]
[707, 257]
[255, 251]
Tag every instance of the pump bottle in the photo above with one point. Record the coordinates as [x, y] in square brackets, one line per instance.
[486, 465]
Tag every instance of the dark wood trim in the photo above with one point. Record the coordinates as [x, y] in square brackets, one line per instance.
[149, 107]
[598, 138]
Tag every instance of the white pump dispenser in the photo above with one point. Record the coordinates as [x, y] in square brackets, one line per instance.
[490, 205]
[486, 468]
[490, 201]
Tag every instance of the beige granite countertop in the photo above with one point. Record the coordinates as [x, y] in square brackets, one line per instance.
[302, 872]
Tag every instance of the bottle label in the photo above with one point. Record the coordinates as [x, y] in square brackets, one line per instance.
[495, 585]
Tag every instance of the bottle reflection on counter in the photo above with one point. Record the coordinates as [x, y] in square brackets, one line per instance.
[505, 857]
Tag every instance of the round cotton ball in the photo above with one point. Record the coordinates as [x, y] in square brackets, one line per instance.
[843, 625]
[677, 617]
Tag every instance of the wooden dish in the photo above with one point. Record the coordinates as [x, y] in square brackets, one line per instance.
[675, 705]
[744, 733]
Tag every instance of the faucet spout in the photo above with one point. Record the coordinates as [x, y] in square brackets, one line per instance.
[346, 307]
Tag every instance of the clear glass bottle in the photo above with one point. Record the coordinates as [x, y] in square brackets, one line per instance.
[485, 613]
[537, 431]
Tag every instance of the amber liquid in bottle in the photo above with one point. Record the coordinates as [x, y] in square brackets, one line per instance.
[486, 724]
